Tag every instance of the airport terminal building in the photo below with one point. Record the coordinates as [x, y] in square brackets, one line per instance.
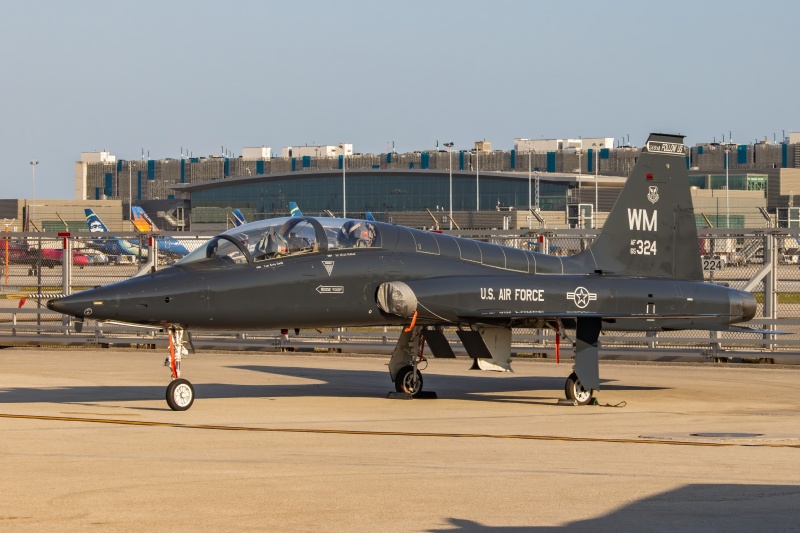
[490, 188]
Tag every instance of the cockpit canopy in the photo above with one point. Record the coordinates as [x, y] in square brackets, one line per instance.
[282, 237]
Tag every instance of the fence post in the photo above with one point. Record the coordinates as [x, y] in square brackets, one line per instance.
[66, 274]
[651, 339]
[770, 284]
[66, 263]
[152, 251]
[39, 286]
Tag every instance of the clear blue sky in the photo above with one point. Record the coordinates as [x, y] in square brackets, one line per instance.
[122, 76]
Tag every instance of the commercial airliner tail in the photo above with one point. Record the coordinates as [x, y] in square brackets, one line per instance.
[95, 224]
[141, 221]
[238, 218]
[294, 210]
[165, 243]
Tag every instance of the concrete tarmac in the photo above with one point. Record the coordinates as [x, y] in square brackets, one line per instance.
[282, 442]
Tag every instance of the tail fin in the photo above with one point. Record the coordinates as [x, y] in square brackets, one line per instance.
[238, 218]
[95, 224]
[651, 230]
[294, 210]
[141, 221]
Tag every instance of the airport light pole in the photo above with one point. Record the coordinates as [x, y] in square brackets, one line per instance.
[39, 252]
[344, 180]
[130, 193]
[530, 205]
[450, 166]
[477, 180]
[596, 171]
[580, 170]
[727, 190]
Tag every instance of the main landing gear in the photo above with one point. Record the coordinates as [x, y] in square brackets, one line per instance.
[581, 390]
[180, 393]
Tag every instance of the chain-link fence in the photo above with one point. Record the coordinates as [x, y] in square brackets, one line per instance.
[763, 261]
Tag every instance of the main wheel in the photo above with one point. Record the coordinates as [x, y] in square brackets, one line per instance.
[404, 382]
[180, 394]
[575, 391]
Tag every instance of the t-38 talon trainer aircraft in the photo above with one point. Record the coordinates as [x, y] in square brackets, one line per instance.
[642, 273]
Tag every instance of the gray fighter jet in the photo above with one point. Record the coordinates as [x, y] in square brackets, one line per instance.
[642, 273]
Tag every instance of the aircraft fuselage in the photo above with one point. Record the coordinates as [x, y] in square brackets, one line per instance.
[339, 288]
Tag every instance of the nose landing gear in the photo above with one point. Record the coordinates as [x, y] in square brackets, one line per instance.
[404, 367]
[180, 392]
[409, 380]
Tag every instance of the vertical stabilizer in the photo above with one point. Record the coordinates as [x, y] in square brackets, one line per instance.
[294, 210]
[141, 221]
[93, 221]
[651, 230]
[238, 218]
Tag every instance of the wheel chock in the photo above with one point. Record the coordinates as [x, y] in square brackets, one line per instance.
[399, 396]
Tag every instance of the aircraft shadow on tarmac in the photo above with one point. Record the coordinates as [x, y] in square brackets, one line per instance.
[324, 382]
[699, 507]
[480, 386]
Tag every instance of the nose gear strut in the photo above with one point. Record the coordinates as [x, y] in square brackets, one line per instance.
[180, 392]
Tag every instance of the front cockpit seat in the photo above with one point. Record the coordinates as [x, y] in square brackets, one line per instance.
[271, 245]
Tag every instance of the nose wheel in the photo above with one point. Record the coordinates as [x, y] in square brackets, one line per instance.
[180, 394]
[575, 391]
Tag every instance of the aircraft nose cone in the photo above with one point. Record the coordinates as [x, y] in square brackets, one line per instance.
[56, 305]
[82, 305]
[69, 305]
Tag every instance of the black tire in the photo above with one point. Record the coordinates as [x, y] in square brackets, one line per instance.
[404, 381]
[575, 392]
[180, 394]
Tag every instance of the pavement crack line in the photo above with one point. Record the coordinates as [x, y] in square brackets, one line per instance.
[556, 438]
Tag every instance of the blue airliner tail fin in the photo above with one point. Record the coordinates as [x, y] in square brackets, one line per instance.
[238, 218]
[294, 210]
[95, 224]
